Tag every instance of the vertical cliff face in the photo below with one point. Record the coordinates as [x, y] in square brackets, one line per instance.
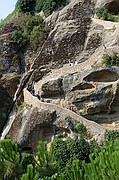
[68, 35]
[68, 68]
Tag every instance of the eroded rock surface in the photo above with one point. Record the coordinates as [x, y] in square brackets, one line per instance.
[41, 121]
[68, 71]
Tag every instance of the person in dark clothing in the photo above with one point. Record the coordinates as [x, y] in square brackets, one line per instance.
[33, 92]
[38, 95]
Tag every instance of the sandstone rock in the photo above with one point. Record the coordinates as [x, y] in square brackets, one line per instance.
[92, 88]
[93, 92]
[68, 35]
[42, 121]
[52, 88]
[8, 87]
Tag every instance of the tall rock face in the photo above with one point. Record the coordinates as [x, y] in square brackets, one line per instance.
[68, 71]
[69, 28]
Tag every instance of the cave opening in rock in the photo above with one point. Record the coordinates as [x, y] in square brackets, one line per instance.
[113, 7]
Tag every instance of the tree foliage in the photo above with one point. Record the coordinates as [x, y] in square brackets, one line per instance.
[65, 160]
[25, 6]
[29, 30]
[102, 165]
[49, 6]
[112, 60]
[104, 14]
[12, 163]
[31, 6]
[111, 135]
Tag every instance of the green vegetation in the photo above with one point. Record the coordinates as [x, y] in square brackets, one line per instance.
[25, 6]
[112, 135]
[48, 6]
[112, 60]
[103, 165]
[23, 106]
[104, 14]
[81, 129]
[64, 160]
[29, 30]
[3, 22]
[31, 6]
[12, 162]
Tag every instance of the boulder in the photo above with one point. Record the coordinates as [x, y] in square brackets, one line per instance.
[52, 88]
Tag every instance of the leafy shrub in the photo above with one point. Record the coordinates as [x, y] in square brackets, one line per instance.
[45, 164]
[103, 165]
[18, 38]
[48, 6]
[81, 129]
[4, 21]
[31, 174]
[29, 30]
[112, 135]
[104, 14]
[12, 163]
[69, 150]
[37, 37]
[112, 60]
[39, 5]
[25, 6]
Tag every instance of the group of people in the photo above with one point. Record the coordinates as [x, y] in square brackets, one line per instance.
[72, 64]
[32, 91]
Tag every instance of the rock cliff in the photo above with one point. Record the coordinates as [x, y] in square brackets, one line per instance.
[67, 70]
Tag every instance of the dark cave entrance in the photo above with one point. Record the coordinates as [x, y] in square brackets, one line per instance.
[113, 7]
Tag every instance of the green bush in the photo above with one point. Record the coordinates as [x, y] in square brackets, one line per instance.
[69, 150]
[12, 163]
[47, 165]
[112, 135]
[48, 6]
[18, 38]
[81, 129]
[104, 14]
[103, 165]
[25, 6]
[39, 5]
[112, 60]
[29, 30]
[37, 37]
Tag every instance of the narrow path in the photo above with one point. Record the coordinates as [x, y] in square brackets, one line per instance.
[67, 69]
[106, 24]
[96, 130]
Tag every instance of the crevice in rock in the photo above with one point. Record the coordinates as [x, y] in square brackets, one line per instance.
[83, 86]
[105, 75]
[114, 88]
